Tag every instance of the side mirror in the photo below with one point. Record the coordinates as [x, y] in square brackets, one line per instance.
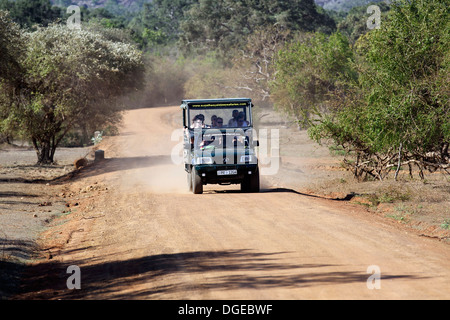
[256, 143]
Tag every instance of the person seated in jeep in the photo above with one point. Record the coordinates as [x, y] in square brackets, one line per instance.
[233, 121]
[241, 122]
[197, 122]
[213, 121]
[219, 123]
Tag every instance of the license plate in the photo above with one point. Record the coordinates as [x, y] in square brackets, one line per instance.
[226, 172]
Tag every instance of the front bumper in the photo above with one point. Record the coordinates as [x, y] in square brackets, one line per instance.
[208, 173]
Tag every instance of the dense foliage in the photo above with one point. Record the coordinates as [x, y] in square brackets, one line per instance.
[10, 48]
[354, 24]
[226, 24]
[396, 110]
[67, 78]
[28, 13]
[310, 72]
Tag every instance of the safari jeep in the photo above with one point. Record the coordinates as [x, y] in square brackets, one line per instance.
[218, 144]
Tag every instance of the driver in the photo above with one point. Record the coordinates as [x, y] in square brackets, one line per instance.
[197, 122]
[233, 121]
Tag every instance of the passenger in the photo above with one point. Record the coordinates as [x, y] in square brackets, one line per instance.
[219, 123]
[194, 121]
[197, 122]
[241, 122]
[233, 121]
[214, 121]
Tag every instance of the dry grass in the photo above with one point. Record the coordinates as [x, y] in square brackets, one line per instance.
[422, 204]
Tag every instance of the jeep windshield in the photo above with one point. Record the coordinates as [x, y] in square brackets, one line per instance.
[218, 115]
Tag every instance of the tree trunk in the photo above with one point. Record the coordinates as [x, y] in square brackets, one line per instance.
[399, 161]
[85, 137]
[44, 155]
[43, 151]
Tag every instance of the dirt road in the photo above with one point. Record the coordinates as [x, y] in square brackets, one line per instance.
[137, 233]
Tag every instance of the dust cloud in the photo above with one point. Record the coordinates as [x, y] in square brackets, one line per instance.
[145, 152]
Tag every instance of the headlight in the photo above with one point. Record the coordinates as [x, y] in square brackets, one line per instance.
[204, 160]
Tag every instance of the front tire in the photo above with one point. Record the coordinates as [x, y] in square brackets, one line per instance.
[254, 181]
[251, 182]
[197, 185]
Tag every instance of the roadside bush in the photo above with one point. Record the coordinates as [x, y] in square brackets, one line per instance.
[68, 79]
[394, 111]
[311, 73]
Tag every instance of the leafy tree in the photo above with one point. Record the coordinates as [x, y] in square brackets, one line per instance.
[249, 73]
[253, 67]
[158, 23]
[355, 23]
[400, 114]
[309, 72]
[167, 15]
[27, 13]
[10, 47]
[69, 77]
[104, 17]
[226, 24]
[208, 77]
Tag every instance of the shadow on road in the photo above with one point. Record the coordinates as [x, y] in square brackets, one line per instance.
[288, 190]
[146, 277]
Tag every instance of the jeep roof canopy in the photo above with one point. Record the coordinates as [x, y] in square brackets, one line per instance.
[222, 108]
[215, 102]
